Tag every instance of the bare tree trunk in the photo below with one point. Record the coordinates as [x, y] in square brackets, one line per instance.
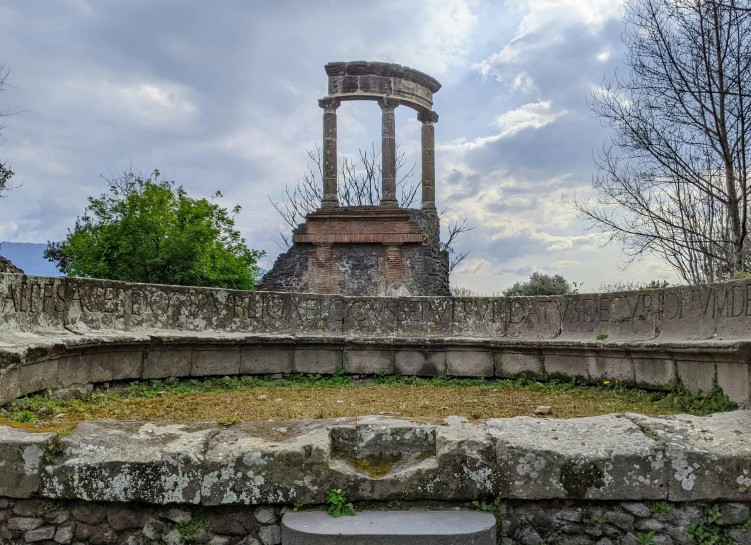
[672, 180]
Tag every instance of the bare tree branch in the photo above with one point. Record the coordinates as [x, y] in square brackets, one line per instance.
[359, 185]
[5, 172]
[673, 179]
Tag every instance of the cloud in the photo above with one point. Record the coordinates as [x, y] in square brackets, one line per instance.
[545, 24]
[533, 115]
[223, 96]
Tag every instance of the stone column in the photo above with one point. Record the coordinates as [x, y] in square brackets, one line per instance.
[428, 158]
[388, 152]
[330, 197]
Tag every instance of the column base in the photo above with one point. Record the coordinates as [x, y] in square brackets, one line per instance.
[329, 204]
[428, 205]
[389, 204]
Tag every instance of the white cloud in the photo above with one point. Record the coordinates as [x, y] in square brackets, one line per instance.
[544, 25]
[533, 115]
[149, 103]
[563, 263]
[435, 42]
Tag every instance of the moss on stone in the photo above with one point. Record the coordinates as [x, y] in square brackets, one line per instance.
[577, 479]
[375, 466]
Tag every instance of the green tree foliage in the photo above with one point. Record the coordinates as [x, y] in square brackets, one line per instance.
[149, 230]
[541, 284]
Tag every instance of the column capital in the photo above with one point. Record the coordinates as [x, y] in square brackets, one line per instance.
[388, 103]
[329, 105]
[427, 117]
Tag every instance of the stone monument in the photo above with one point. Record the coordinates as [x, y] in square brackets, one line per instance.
[380, 250]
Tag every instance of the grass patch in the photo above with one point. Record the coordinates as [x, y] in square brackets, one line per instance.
[232, 400]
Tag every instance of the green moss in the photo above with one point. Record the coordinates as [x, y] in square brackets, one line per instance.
[374, 466]
[578, 479]
[658, 507]
[189, 528]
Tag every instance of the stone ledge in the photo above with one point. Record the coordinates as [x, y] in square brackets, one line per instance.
[32, 362]
[390, 528]
[613, 457]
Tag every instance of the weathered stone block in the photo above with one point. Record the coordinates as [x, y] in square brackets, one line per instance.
[567, 366]
[696, 376]
[170, 362]
[605, 457]
[157, 463]
[368, 362]
[215, 362]
[318, 360]
[21, 454]
[514, 364]
[10, 384]
[420, 363]
[266, 360]
[39, 376]
[657, 373]
[478, 317]
[469, 362]
[735, 381]
[705, 457]
[616, 368]
[100, 365]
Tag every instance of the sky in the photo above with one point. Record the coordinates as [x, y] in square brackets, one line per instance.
[223, 96]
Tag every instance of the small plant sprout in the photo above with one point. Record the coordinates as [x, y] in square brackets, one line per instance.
[646, 539]
[482, 506]
[602, 336]
[338, 505]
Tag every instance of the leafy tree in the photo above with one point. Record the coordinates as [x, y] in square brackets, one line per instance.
[149, 230]
[673, 180]
[541, 284]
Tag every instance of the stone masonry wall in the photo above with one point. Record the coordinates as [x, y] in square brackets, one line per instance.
[7, 267]
[59, 332]
[519, 523]
[366, 269]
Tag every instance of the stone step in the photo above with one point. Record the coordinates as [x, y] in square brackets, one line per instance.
[390, 528]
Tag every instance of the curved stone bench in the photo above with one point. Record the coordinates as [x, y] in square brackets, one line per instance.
[58, 332]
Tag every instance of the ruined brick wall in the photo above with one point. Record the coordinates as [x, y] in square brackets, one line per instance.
[360, 269]
[290, 272]
[7, 267]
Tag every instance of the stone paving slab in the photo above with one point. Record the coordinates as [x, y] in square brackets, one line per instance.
[390, 528]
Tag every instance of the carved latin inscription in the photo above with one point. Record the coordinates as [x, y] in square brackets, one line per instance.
[95, 302]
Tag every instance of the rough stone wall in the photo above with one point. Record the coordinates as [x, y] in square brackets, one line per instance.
[58, 332]
[290, 271]
[7, 267]
[359, 269]
[66, 522]
[518, 523]
[367, 268]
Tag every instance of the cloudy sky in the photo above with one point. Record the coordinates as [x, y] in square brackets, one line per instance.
[223, 96]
